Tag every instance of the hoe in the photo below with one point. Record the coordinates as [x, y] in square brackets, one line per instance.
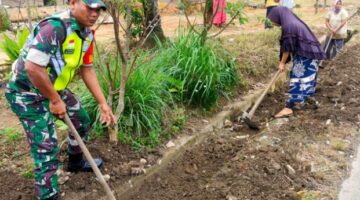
[246, 117]
[88, 156]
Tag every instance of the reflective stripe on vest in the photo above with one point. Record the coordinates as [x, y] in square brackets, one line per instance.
[73, 57]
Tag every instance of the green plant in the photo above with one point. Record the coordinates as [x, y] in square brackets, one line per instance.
[61, 125]
[12, 47]
[201, 73]
[12, 135]
[234, 8]
[28, 174]
[145, 99]
[4, 19]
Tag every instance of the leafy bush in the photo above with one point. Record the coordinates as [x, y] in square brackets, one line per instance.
[12, 47]
[145, 98]
[234, 8]
[200, 73]
[4, 19]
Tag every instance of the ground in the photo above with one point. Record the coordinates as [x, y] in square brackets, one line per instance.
[304, 157]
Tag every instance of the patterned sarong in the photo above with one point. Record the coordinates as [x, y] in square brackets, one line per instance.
[303, 77]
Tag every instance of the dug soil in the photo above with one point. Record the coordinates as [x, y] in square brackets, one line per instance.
[303, 157]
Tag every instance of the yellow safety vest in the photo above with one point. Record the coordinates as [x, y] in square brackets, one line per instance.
[73, 50]
[73, 55]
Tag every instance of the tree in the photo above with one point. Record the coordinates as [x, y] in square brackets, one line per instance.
[153, 21]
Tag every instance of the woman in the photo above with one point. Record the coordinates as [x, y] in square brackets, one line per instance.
[219, 13]
[297, 41]
[336, 22]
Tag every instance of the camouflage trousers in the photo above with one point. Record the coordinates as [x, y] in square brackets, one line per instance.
[38, 122]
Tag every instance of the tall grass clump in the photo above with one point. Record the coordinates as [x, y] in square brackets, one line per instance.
[146, 97]
[200, 73]
[4, 19]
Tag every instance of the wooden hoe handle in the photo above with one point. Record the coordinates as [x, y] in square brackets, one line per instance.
[258, 101]
[89, 158]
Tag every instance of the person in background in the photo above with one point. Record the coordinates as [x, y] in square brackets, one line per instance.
[269, 4]
[336, 23]
[219, 8]
[287, 3]
[298, 43]
[38, 90]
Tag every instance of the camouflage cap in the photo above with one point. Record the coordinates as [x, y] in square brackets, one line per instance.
[95, 4]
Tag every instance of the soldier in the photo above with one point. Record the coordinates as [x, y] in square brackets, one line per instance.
[37, 91]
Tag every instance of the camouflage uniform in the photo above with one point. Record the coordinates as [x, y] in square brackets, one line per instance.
[44, 47]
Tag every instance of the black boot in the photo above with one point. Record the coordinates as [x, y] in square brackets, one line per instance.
[54, 197]
[78, 164]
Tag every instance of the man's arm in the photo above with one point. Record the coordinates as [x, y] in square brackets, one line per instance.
[40, 79]
[89, 77]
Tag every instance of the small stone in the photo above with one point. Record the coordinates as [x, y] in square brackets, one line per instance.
[237, 127]
[290, 170]
[170, 144]
[339, 83]
[328, 122]
[106, 177]
[63, 194]
[143, 161]
[63, 179]
[275, 165]
[231, 197]
[205, 121]
[241, 137]
[227, 124]
[342, 108]
[352, 101]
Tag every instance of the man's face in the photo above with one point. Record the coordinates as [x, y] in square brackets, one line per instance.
[85, 15]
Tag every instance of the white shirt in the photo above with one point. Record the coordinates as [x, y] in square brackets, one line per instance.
[335, 20]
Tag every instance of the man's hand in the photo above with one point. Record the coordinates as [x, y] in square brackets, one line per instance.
[106, 115]
[58, 108]
[282, 67]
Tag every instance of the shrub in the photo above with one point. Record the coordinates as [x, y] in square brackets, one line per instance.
[201, 73]
[4, 19]
[12, 47]
[145, 98]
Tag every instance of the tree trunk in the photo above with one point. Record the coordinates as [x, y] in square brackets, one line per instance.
[317, 6]
[152, 22]
[325, 4]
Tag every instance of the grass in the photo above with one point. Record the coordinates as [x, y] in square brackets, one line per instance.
[258, 57]
[4, 19]
[200, 74]
[181, 70]
[145, 100]
[11, 135]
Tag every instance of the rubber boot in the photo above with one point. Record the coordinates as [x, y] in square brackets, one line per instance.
[78, 164]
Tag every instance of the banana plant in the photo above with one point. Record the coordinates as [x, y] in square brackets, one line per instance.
[12, 47]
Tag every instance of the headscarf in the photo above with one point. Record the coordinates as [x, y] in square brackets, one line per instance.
[296, 36]
[336, 10]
